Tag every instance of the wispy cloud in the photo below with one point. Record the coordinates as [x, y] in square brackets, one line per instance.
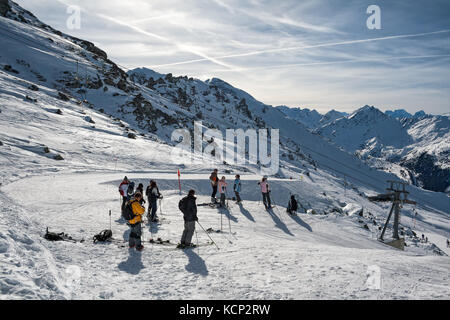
[332, 44]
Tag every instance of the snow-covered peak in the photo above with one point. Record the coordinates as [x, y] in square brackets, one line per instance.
[398, 114]
[368, 112]
[359, 128]
[145, 73]
[307, 117]
[403, 114]
[331, 116]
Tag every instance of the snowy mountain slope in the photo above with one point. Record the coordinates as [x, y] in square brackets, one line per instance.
[222, 106]
[403, 114]
[323, 254]
[417, 147]
[311, 118]
[367, 125]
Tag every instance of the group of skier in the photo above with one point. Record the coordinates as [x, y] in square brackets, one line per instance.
[133, 203]
[222, 186]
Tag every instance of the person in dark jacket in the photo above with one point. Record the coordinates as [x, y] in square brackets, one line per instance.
[130, 191]
[140, 189]
[292, 205]
[237, 188]
[190, 217]
[214, 179]
[153, 195]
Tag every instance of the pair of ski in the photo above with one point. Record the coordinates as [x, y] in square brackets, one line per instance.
[211, 230]
[161, 242]
[158, 221]
[212, 205]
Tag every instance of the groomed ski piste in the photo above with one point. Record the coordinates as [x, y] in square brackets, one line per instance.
[268, 255]
[324, 253]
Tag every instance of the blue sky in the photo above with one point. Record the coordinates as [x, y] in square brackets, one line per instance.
[316, 54]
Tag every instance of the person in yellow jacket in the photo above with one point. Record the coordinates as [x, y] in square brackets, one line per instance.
[136, 222]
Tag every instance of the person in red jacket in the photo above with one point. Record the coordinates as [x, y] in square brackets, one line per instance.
[123, 187]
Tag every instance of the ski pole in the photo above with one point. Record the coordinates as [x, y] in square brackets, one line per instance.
[229, 222]
[109, 219]
[221, 214]
[209, 236]
[196, 235]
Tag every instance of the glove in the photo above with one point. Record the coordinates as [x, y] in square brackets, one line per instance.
[196, 218]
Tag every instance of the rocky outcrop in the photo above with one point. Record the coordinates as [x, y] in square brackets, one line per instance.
[428, 173]
[4, 7]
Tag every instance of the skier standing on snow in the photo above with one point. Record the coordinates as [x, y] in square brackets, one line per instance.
[123, 188]
[130, 191]
[214, 183]
[147, 193]
[292, 205]
[223, 189]
[153, 196]
[136, 222]
[140, 189]
[188, 206]
[265, 190]
[237, 188]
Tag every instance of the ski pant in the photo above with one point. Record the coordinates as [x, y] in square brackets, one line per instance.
[189, 228]
[222, 199]
[266, 199]
[149, 207]
[135, 235]
[124, 200]
[154, 209]
[214, 192]
[238, 197]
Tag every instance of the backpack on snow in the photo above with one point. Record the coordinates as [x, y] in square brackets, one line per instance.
[103, 236]
[127, 212]
[182, 205]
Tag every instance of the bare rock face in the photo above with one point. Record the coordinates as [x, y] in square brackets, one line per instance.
[58, 157]
[4, 7]
[63, 96]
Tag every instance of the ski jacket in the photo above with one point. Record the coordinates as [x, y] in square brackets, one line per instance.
[264, 186]
[222, 186]
[138, 211]
[152, 194]
[123, 187]
[190, 214]
[292, 205]
[237, 185]
[214, 179]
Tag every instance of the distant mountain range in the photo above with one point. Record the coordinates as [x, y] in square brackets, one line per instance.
[414, 146]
